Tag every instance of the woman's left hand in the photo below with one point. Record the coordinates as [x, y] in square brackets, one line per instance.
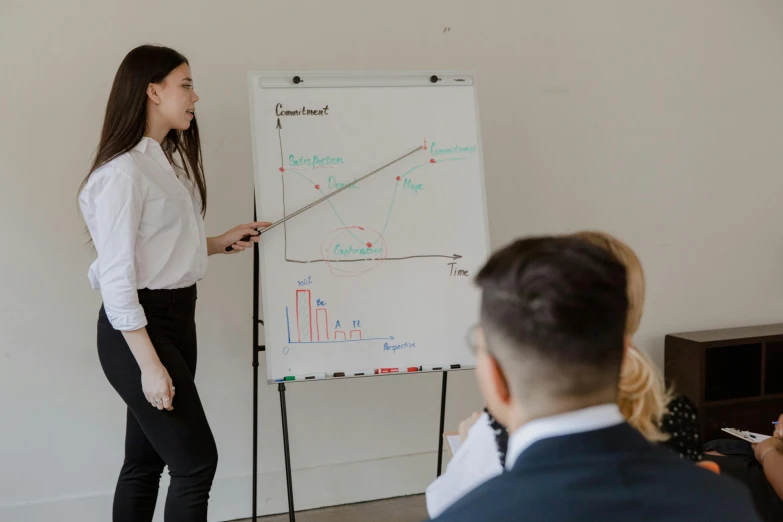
[771, 444]
[233, 238]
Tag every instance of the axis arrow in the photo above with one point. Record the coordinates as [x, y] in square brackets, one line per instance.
[453, 256]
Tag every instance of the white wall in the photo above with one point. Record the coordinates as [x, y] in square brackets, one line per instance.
[659, 121]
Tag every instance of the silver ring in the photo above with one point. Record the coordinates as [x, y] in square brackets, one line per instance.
[166, 400]
[172, 388]
[158, 402]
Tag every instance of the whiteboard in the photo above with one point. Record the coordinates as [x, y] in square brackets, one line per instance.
[377, 280]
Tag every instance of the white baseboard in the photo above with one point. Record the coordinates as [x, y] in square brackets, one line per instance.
[230, 498]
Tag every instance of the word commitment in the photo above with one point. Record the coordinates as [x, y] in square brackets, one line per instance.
[394, 347]
[435, 151]
[313, 162]
[304, 111]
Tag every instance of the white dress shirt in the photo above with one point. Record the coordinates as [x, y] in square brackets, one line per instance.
[477, 460]
[146, 225]
[578, 421]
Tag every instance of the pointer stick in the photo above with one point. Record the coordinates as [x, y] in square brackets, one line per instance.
[314, 203]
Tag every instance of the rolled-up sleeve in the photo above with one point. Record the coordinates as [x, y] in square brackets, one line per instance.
[118, 206]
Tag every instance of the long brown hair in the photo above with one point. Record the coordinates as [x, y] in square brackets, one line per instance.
[125, 121]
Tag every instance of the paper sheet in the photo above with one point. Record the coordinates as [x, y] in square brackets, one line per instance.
[452, 442]
[748, 436]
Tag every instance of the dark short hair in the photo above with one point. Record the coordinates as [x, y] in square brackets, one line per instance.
[557, 304]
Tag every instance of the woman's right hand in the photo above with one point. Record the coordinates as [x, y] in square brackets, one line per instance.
[157, 386]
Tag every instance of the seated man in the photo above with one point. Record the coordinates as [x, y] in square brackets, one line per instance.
[549, 347]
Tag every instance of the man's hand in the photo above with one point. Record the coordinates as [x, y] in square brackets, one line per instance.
[466, 424]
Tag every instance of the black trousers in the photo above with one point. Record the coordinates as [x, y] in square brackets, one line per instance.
[739, 462]
[180, 439]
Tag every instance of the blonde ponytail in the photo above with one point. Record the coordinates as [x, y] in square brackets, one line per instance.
[642, 397]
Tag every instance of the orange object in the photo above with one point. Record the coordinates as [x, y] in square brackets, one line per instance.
[708, 464]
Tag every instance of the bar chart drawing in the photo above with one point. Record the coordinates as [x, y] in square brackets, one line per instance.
[304, 325]
[322, 324]
[304, 333]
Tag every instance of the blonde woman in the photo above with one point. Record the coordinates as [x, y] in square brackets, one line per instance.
[642, 397]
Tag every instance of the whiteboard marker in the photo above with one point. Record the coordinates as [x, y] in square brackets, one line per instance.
[363, 373]
[305, 377]
[431, 368]
[379, 371]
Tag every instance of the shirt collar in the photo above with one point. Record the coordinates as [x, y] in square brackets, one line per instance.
[578, 421]
[141, 146]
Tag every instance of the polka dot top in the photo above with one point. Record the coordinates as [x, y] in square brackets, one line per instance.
[680, 424]
[683, 429]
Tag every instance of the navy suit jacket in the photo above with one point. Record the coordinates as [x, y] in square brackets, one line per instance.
[606, 475]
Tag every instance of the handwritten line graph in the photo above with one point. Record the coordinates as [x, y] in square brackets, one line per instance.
[346, 227]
